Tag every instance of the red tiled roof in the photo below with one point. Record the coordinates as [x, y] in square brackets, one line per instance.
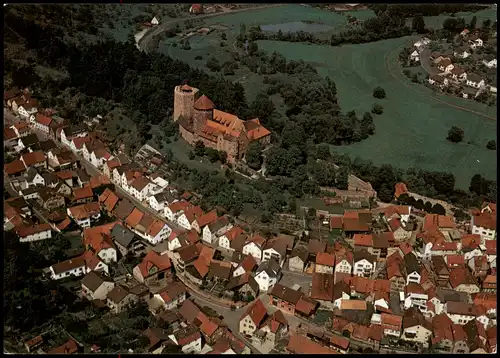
[83, 193]
[492, 206]
[299, 344]
[64, 224]
[43, 120]
[152, 259]
[24, 231]
[9, 133]
[394, 270]
[257, 312]
[80, 141]
[192, 213]
[471, 241]
[406, 248]
[65, 174]
[258, 240]
[336, 222]
[441, 245]
[178, 206]
[400, 189]
[112, 164]
[488, 300]
[33, 158]
[363, 240]
[340, 342]
[98, 237]
[84, 211]
[355, 225]
[14, 167]
[201, 266]
[207, 326]
[325, 259]
[461, 275]
[204, 103]
[91, 260]
[98, 180]
[248, 263]
[455, 260]
[134, 218]
[140, 183]
[255, 130]
[69, 347]
[322, 287]
[432, 221]
[234, 232]
[391, 320]
[111, 202]
[395, 224]
[458, 333]
[207, 219]
[491, 247]
[172, 291]
[486, 220]
[414, 288]
[155, 228]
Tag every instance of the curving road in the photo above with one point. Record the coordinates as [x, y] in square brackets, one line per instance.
[147, 42]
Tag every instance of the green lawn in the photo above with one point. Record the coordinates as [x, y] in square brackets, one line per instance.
[180, 150]
[413, 127]
[318, 204]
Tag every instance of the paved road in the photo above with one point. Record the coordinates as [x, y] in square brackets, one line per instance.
[147, 41]
[425, 61]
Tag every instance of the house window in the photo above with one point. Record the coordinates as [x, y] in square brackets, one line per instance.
[161, 275]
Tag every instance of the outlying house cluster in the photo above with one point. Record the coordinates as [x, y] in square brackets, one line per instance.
[455, 76]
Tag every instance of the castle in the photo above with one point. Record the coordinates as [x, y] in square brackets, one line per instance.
[200, 121]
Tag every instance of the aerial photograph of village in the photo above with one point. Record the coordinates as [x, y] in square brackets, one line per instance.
[250, 178]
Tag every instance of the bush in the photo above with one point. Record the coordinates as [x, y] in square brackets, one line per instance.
[379, 92]
[492, 145]
[377, 109]
[213, 64]
[455, 134]
[198, 57]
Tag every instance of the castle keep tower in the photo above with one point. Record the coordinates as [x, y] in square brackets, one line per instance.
[184, 96]
[203, 112]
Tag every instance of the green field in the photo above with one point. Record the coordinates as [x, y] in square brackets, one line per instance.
[279, 15]
[413, 127]
[434, 22]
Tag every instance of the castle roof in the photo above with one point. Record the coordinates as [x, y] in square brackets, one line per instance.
[203, 103]
[186, 88]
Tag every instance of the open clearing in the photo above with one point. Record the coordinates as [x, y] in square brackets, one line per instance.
[413, 127]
